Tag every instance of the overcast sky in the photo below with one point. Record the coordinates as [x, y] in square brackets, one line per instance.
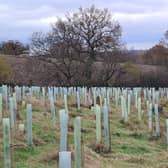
[143, 21]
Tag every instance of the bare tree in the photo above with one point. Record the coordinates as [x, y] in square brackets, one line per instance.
[164, 40]
[74, 43]
[56, 48]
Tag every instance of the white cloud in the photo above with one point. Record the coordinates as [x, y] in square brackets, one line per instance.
[143, 22]
[142, 16]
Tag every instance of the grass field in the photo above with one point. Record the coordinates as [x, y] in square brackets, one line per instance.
[132, 146]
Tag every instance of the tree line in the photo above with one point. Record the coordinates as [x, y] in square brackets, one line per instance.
[13, 47]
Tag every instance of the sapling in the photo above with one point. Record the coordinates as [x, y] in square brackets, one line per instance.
[125, 110]
[129, 104]
[153, 96]
[116, 97]
[108, 99]
[23, 103]
[15, 102]
[144, 94]
[77, 143]
[52, 108]
[94, 97]
[29, 124]
[150, 117]
[43, 94]
[64, 129]
[136, 98]
[85, 96]
[64, 159]
[106, 127]
[157, 97]
[139, 109]
[12, 112]
[5, 95]
[167, 132]
[78, 100]
[18, 93]
[30, 93]
[6, 142]
[157, 121]
[101, 103]
[65, 103]
[122, 106]
[147, 104]
[21, 127]
[98, 124]
[149, 95]
[1, 107]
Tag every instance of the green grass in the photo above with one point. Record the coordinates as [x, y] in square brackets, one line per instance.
[131, 143]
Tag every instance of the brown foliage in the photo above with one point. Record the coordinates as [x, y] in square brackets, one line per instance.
[157, 55]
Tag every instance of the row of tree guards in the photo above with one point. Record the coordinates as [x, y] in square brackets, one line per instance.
[101, 98]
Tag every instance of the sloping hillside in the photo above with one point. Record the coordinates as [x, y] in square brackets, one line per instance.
[32, 71]
[29, 71]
